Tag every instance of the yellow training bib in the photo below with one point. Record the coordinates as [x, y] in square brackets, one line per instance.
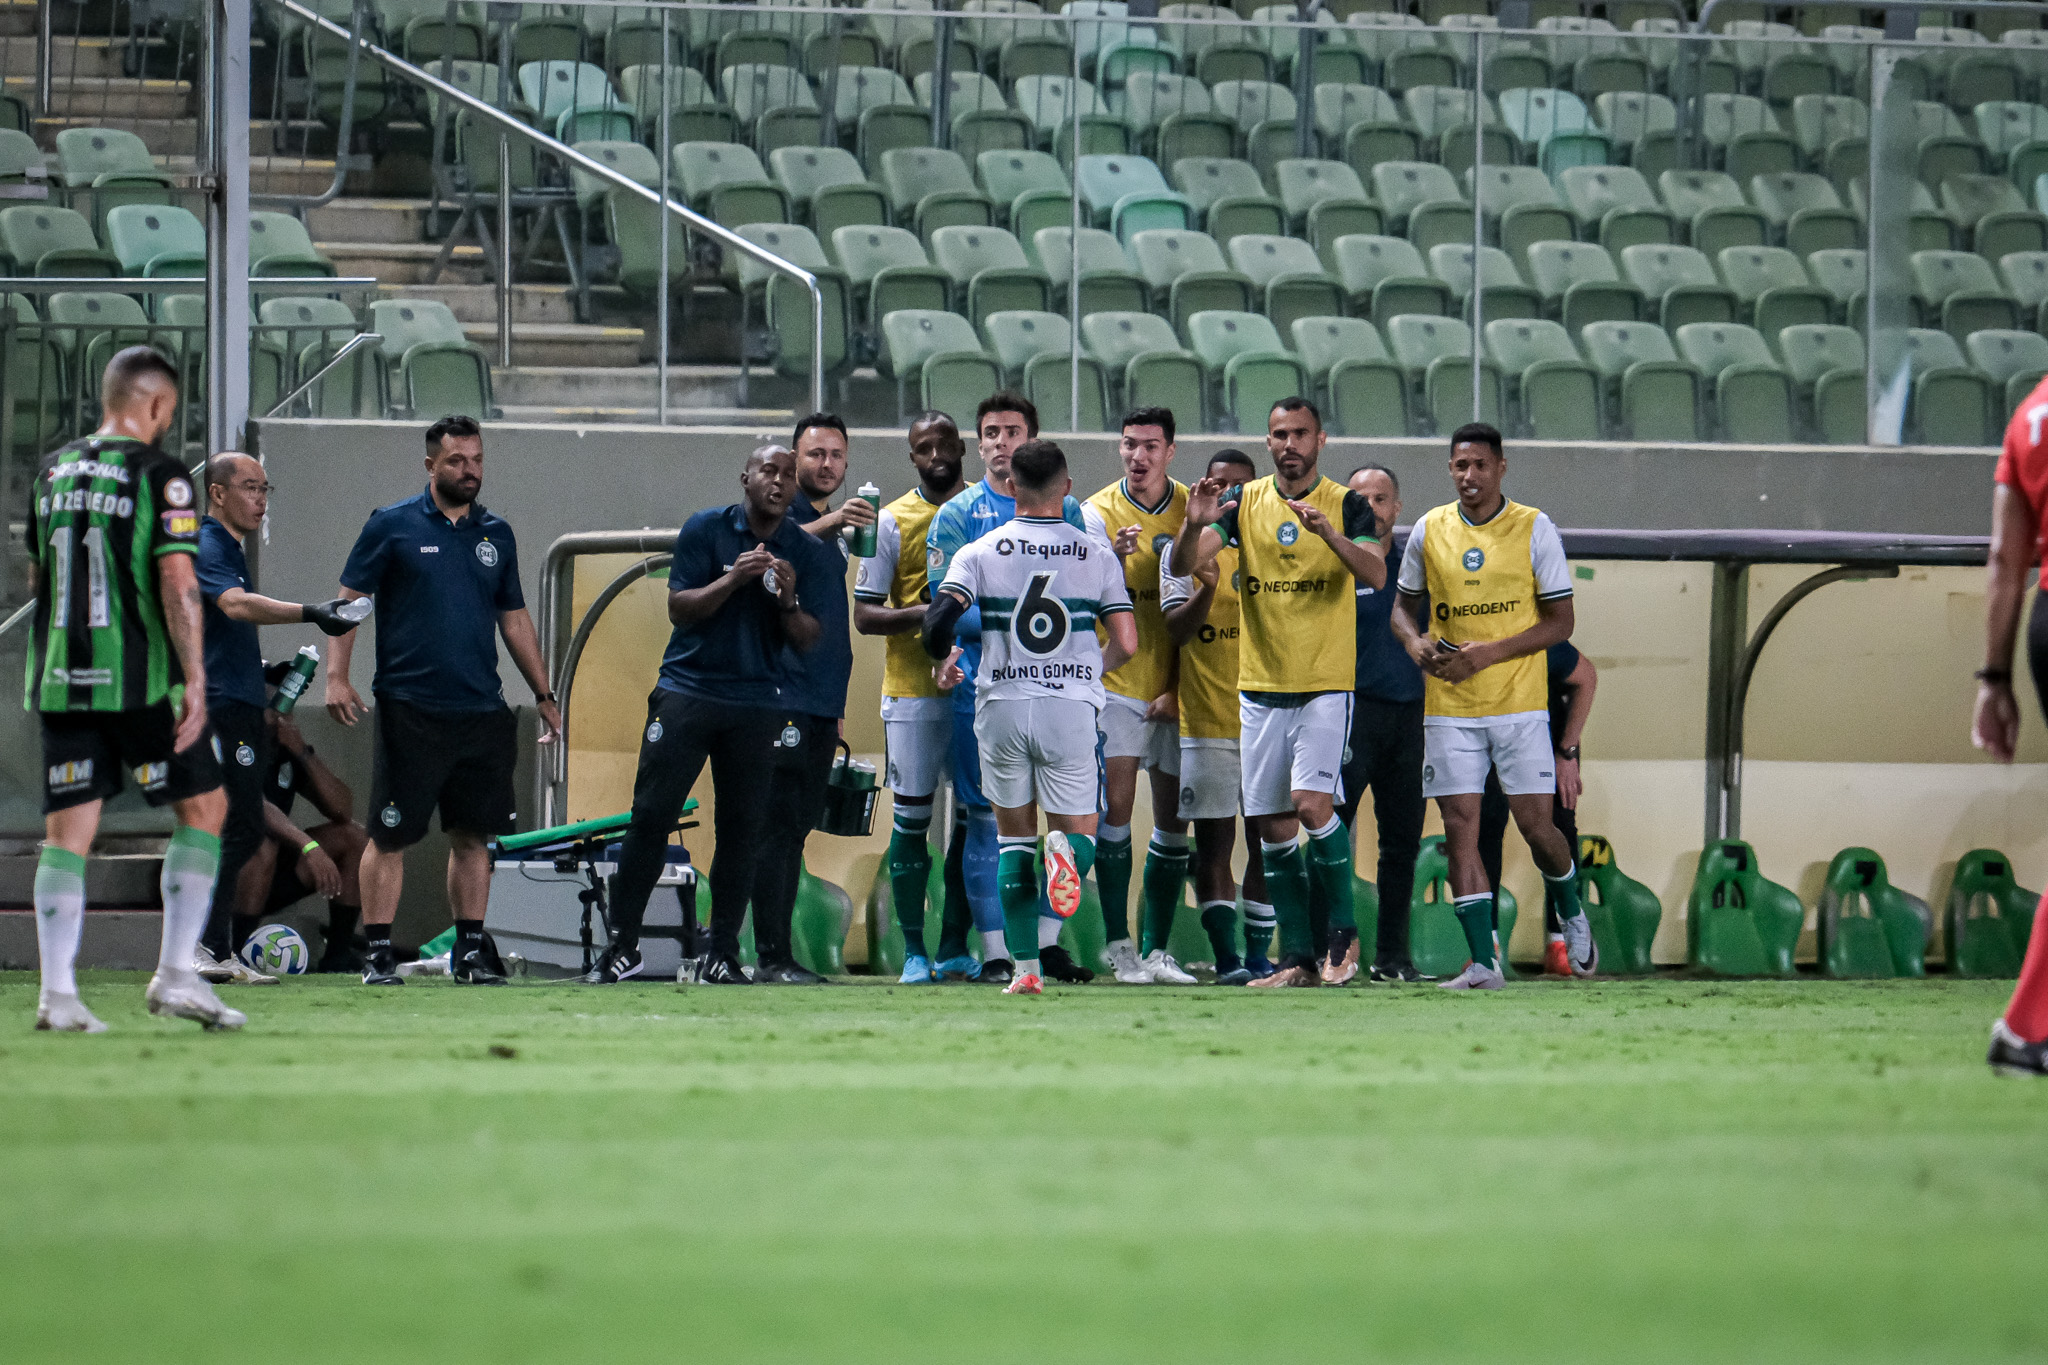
[906, 669]
[1149, 672]
[1208, 661]
[1298, 600]
[1484, 584]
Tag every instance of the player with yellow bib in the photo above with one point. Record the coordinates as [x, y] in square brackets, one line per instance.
[1499, 594]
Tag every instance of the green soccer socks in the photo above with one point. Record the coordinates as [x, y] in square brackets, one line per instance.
[1219, 922]
[1562, 894]
[1475, 917]
[1166, 871]
[1113, 880]
[60, 917]
[1259, 921]
[1287, 883]
[190, 864]
[1017, 884]
[910, 870]
[1329, 863]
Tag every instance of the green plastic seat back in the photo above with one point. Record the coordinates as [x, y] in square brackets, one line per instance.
[1625, 914]
[1841, 271]
[1560, 393]
[1821, 121]
[442, 380]
[552, 88]
[1737, 923]
[1218, 335]
[1594, 191]
[857, 89]
[1105, 179]
[1304, 183]
[2004, 354]
[1322, 342]
[1536, 116]
[2003, 126]
[279, 243]
[1614, 346]
[20, 159]
[1436, 109]
[1100, 251]
[144, 237]
[1402, 186]
[1340, 107]
[1988, 916]
[86, 154]
[804, 171]
[1630, 115]
[1657, 270]
[1517, 343]
[1437, 941]
[1206, 179]
[1151, 97]
[915, 335]
[627, 158]
[1163, 255]
[105, 321]
[1555, 267]
[701, 167]
[1048, 101]
[1937, 275]
[1749, 271]
[795, 244]
[306, 320]
[1019, 336]
[405, 323]
[788, 302]
[1250, 103]
[964, 252]
[911, 173]
[1723, 118]
[636, 228]
[756, 89]
[2026, 277]
[29, 232]
[1789, 192]
[1116, 337]
[1716, 347]
[862, 251]
[1970, 198]
[1364, 260]
[1811, 351]
[1452, 263]
[1867, 926]
[1265, 258]
[1416, 341]
[1501, 188]
[1007, 174]
[1691, 193]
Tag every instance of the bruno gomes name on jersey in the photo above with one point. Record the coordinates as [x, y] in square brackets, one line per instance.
[1041, 585]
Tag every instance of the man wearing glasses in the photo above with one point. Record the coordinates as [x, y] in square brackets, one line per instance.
[237, 497]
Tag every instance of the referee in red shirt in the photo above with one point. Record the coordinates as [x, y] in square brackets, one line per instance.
[2019, 535]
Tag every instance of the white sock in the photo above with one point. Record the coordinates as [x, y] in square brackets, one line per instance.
[992, 945]
[190, 864]
[1169, 842]
[1049, 931]
[1336, 823]
[1028, 967]
[60, 918]
[1113, 834]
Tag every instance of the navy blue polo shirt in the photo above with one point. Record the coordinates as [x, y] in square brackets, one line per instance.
[814, 684]
[439, 586]
[735, 654]
[1385, 672]
[234, 659]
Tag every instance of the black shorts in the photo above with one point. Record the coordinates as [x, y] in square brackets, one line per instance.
[458, 761]
[244, 762]
[84, 753]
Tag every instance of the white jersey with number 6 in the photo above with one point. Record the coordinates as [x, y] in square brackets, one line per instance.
[1041, 586]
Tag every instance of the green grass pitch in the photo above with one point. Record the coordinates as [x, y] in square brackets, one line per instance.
[1665, 1170]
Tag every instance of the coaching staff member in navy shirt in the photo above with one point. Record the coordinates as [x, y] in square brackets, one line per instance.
[445, 575]
[744, 583]
[237, 496]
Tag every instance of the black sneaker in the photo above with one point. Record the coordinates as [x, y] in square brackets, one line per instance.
[1059, 965]
[380, 966]
[472, 970]
[340, 959]
[1401, 973]
[998, 971]
[785, 974]
[2012, 1055]
[720, 970]
[618, 964]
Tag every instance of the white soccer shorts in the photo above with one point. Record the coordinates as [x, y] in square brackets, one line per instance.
[1455, 757]
[1038, 749]
[919, 734]
[1286, 749]
[1127, 734]
[1209, 779]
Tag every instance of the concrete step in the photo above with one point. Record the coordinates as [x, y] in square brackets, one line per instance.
[369, 220]
[97, 99]
[558, 343]
[697, 394]
[543, 304]
[84, 58]
[404, 262]
[771, 418]
[18, 20]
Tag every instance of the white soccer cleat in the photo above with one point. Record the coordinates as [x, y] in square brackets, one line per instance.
[1475, 978]
[1161, 968]
[1062, 875]
[241, 973]
[57, 1012]
[1027, 984]
[1580, 949]
[211, 968]
[194, 1000]
[1123, 960]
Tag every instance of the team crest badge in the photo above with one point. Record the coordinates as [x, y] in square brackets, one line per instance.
[390, 817]
[178, 493]
[654, 732]
[1474, 559]
[1429, 772]
[487, 554]
[245, 755]
[1288, 533]
[791, 737]
[934, 557]
[1187, 796]
[1161, 543]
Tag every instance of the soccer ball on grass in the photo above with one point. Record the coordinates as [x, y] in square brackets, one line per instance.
[277, 950]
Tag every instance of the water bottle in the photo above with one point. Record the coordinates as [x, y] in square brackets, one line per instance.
[864, 538]
[297, 681]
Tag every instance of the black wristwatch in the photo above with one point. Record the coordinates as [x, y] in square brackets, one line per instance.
[1569, 755]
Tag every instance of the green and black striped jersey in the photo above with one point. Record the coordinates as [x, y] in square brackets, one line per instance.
[102, 511]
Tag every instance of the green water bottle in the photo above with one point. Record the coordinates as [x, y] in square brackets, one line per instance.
[864, 538]
[297, 681]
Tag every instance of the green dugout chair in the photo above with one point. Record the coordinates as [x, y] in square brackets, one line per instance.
[1988, 917]
[1436, 941]
[1624, 913]
[818, 925]
[1868, 927]
[1737, 923]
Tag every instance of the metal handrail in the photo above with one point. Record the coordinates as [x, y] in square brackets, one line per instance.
[341, 136]
[1707, 10]
[590, 166]
[348, 348]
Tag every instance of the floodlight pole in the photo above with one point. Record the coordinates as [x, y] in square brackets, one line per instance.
[224, 176]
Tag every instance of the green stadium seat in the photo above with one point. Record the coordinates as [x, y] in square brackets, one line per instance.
[1194, 129]
[1248, 367]
[1033, 55]
[1927, 227]
[1555, 128]
[889, 272]
[1385, 278]
[990, 272]
[1833, 132]
[298, 336]
[576, 103]
[1364, 125]
[1436, 940]
[1047, 102]
[1127, 195]
[31, 378]
[1358, 386]
[1713, 205]
[1845, 276]
[1442, 114]
[1332, 56]
[1228, 196]
[827, 189]
[1952, 403]
[942, 352]
[52, 242]
[2025, 275]
[1324, 201]
[1680, 282]
[105, 168]
[1775, 64]
[1987, 917]
[89, 327]
[280, 246]
[1959, 290]
[1108, 284]
[1422, 203]
[874, 102]
[930, 188]
[981, 119]
[1805, 213]
[1506, 294]
[1997, 221]
[1264, 114]
[1625, 914]
[1521, 207]
[1029, 190]
[1979, 78]
[756, 47]
[2016, 361]
[21, 161]
[1772, 289]
[14, 114]
[1868, 927]
[155, 239]
[1404, 52]
[1642, 127]
[1554, 392]
[1752, 391]
[1289, 277]
[1616, 207]
[1151, 99]
[1436, 356]
[1511, 62]
[1111, 67]
[423, 33]
[436, 370]
[1744, 137]
[2016, 136]
[786, 305]
[1716, 71]
[1579, 284]
[627, 158]
[635, 227]
[1827, 366]
[896, 22]
[1947, 146]
[1187, 274]
[1145, 360]
[725, 182]
[1599, 59]
[628, 43]
[1035, 351]
[1653, 395]
[1737, 923]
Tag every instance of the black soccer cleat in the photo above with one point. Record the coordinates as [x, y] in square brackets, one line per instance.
[618, 964]
[472, 970]
[380, 966]
[721, 970]
[1059, 965]
[2012, 1055]
[1398, 973]
[997, 972]
[787, 973]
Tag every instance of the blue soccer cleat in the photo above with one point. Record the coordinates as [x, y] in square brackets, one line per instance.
[1259, 966]
[917, 971]
[963, 968]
